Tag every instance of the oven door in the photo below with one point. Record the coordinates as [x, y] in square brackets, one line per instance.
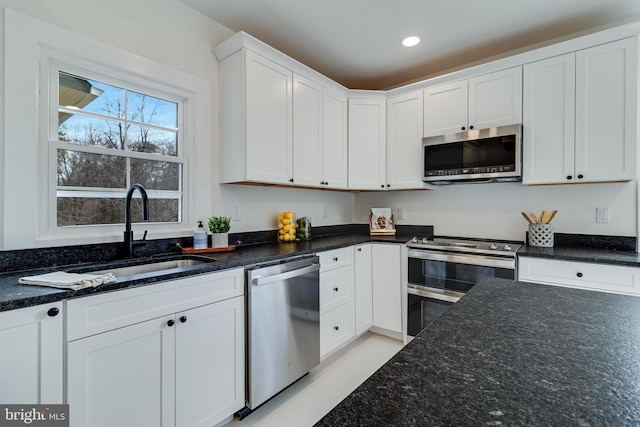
[424, 305]
[453, 271]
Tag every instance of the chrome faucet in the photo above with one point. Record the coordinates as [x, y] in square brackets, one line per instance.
[128, 234]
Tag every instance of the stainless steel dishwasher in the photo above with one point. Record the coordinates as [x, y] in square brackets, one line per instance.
[283, 325]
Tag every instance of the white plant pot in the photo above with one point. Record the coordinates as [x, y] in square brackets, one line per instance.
[219, 240]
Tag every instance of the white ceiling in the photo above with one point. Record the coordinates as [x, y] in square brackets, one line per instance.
[357, 42]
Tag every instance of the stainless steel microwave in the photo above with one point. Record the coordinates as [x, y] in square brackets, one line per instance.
[483, 155]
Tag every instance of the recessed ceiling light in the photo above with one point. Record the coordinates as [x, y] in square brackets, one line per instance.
[411, 41]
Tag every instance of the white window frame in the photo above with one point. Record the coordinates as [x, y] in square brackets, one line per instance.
[26, 217]
[53, 63]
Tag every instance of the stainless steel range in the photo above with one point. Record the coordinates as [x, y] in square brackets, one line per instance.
[441, 270]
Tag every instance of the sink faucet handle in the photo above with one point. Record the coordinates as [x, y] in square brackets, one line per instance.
[144, 236]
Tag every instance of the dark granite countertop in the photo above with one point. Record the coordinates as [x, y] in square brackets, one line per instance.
[584, 254]
[512, 354]
[14, 295]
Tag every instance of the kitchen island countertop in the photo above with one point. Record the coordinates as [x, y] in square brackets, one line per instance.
[511, 353]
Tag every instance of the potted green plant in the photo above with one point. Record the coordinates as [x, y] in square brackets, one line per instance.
[219, 227]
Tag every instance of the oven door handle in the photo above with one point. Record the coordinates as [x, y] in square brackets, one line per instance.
[440, 295]
[480, 260]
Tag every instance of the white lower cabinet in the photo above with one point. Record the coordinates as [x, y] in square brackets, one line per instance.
[584, 275]
[184, 367]
[363, 291]
[31, 358]
[337, 323]
[387, 288]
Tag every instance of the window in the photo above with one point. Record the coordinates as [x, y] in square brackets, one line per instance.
[48, 201]
[107, 137]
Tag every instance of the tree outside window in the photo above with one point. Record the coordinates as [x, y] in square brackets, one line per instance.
[108, 139]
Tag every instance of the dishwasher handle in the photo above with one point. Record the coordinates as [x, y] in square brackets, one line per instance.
[286, 275]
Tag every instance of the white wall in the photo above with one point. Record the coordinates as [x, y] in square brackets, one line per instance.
[172, 34]
[493, 210]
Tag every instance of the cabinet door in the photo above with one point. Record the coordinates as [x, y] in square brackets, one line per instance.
[445, 109]
[334, 139]
[210, 363]
[363, 288]
[367, 144]
[307, 132]
[124, 377]
[404, 142]
[387, 289]
[495, 99]
[606, 111]
[548, 121]
[31, 358]
[268, 120]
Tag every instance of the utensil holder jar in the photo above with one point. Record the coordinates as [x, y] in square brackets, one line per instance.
[541, 235]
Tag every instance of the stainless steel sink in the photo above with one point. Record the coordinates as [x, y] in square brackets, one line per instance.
[152, 266]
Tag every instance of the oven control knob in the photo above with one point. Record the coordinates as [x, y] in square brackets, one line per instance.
[507, 247]
[493, 246]
[425, 240]
[414, 240]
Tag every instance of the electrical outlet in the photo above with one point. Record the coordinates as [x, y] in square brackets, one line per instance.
[401, 213]
[602, 215]
[236, 213]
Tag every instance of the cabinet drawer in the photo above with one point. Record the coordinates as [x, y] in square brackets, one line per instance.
[99, 313]
[336, 328]
[336, 258]
[585, 275]
[336, 288]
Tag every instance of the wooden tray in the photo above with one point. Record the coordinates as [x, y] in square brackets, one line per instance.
[208, 250]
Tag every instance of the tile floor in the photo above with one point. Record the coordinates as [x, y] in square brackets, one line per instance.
[308, 400]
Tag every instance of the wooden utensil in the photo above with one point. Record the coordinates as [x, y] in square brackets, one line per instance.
[545, 217]
[553, 214]
[529, 220]
[534, 217]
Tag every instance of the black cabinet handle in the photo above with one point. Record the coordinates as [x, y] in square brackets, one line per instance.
[579, 274]
[53, 312]
[388, 185]
[335, 259]
[291, 180]
[464, 128]
[336, 328]
[569, 177]
[170, 322]
[382, 186]
[471, 127]
[326, 183]
[580, 176]
[322, 182]
[183, 319]
[335, 289]
[359, 249]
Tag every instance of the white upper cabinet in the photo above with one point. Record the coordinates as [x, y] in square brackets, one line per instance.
[307, 132]
[489, 100]
[256, 141]
[367, 144]
[278, 126]
[404, 141]
[445, 108]
[606, 111]
[334, 140]
[319, 136]
[580, 116]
